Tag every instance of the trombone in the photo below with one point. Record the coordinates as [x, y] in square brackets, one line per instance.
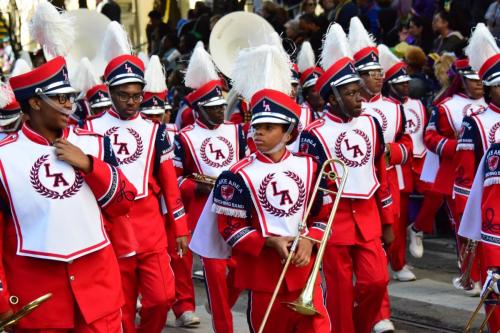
[482, 301]
[203, 179]
[304, 303]
[24, 311]
[466, 260]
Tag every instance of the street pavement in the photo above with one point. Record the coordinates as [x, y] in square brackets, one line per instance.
[431, 300]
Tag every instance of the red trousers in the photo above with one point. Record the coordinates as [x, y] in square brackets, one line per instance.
[183, 272]
[149, 275]
[397, 250]
[430, 205]
[354, 308]
[222, 294]
[284, 320]
[111, 323]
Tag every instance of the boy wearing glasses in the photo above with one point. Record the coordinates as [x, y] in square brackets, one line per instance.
[144, 153]
[59, 186]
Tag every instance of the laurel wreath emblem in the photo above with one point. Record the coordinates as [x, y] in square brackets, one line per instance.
[48, 193]
[468, 110]
[278, 211]
[211, 163]
[382, 117]
[139, 148]
[493, 131]
[419, 122]
[348, 162]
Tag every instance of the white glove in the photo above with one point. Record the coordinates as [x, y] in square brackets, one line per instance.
[490, 280]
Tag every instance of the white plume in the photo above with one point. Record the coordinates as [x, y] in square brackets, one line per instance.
[20, 67]
[261, 67]
[53, 30]
[6, 95]
[387, 59]
[84, 77]
[144, 57]
[155, 76]
[201, 68]
[305, 58]
[335, 46]
[26, 57]
[481, 46]
[114, 43]
[359, 38]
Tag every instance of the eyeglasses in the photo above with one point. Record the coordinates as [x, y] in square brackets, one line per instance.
[123, 97]
[64, 98]
[374, 74]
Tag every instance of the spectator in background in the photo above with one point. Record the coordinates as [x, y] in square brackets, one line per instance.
[307, 7]
[388, 22]
[110, 9]
[344, 11]
[312, 31]
[292, 30]
[328, 12]
[275, 15]
[369, 15]
[156, 29]
[448, 40]
[492, 18]
[421, 86]
[420, 32]
[168, 51]
[424, 9]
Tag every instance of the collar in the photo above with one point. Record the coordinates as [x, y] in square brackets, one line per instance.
[373, 99]
[494, 107]
[263, 158]
[115, 114]
[336, 118]
[463, 95]
[34, 136]
[202, 125]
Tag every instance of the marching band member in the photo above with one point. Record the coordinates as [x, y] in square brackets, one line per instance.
[153, 108]
[144, 154]
[205, 149]
[396, 84]
[98, 99]
[309, 74]
[479, 130]
[10, 111]
[261, 200]
[441, 137]
[390, 116]
[66, 184]
[365, 212]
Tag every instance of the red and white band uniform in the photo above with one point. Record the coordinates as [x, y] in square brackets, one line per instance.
[144, 153]
[258, 198]
[355, 247]
[44, 198]
[209, 151]
[416, 121]
[306, 118]
[440, 138]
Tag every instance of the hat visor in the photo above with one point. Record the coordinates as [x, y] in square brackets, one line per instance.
[126, 80]
[310, 83]
[368, 67]
[153, 111]
[6, 122]
[101, 104]
[269, 120]
[62, 90]
[472, 76]
[168, 107]
[400, 79]
[346, 80]
[217, 102]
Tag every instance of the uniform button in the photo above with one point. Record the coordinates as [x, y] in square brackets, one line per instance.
[127, 216]
[354, 211]
[72, 278]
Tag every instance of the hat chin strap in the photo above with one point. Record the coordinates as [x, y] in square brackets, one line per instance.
[12, 127]
[365, 88]
[205, 116]
[341, 104]
[57, 106]
[282, 143]
[400, 97]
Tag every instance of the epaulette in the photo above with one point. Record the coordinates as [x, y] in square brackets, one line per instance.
[317, 123]
[81, 131]
[9, 139]
[187, 128]
[241, 164]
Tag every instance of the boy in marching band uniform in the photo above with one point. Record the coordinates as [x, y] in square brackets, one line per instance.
[206, 148]
[144, 153]
[365, 211]
[60, 171]
[261, 200]
[10, 111]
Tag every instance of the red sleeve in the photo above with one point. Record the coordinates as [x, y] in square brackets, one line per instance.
[4, 293]
[400, 150]
[439, 136]
[115, 194]
[239, 235]
[383, 194]
[170, 189]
